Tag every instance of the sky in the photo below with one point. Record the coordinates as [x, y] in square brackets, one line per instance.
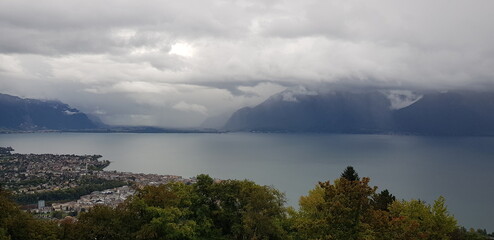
[178, 63]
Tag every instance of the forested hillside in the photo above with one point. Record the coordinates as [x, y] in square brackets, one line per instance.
[347, 208]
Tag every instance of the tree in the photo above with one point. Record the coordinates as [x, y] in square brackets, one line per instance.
[382, 200]
[164, 212]
[341, 210]
[101, 222]
[350, 174]
[230, 209]
[205, 207]
[69, 229]
[348, 206]
[16, 224]
[422, 220]
[350, 209]
[246, 210]
[443, 223]
[461, 233]
[310, 221]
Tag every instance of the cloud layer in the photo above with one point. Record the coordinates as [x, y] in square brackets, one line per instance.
[176, 63]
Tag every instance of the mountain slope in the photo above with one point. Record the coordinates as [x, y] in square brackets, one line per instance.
[334, 112]
[450, 113]
[30, 114]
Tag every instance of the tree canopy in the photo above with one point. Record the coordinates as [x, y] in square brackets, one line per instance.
[347, 208]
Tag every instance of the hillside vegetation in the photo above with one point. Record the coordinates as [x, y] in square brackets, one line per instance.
[347, 208]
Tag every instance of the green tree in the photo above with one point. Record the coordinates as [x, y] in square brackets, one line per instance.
[246, 210]
[310, 221]
[206, 208]
[349, 208]
[424, 221]
[167, 223]
[163, 212]
[350, 174]
[102, 223]
[443, 222]
[461, 233]
[69, 229]
[348, 205]
[4, 235]
[229, 209]
[16, 224]
[341, 210]
[382, 200]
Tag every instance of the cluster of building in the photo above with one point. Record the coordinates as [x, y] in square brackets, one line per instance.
[109, 197]
[142, 179]
[34, 173]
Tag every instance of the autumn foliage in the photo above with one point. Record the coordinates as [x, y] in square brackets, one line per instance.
[347, 208]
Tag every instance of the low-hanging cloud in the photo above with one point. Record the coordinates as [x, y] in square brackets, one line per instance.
[187, 107]
[176, 63]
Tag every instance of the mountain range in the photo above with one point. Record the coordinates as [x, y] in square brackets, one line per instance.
[24, 114]
[463, 113]
[31, 114]
[375, 111]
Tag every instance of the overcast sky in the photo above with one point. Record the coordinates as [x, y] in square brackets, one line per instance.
[176, 63]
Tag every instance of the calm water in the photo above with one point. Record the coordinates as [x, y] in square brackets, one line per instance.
[460, 169]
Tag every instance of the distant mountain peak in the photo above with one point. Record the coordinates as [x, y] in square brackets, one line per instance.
[31, 114]
[372, 111]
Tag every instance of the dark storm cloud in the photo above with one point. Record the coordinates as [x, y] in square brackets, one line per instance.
[175, 63]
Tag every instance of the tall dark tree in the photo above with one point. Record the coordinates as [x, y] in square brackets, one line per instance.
[350, 174]
[382, 200]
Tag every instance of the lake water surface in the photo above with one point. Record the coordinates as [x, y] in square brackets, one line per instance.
[460, 169]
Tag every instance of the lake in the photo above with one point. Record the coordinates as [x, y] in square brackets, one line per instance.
[458, 168]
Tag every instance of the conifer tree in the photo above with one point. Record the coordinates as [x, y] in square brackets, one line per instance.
[350, 174]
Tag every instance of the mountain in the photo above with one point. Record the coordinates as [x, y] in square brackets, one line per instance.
[333, 112]
[31, 114]
[401, 112]
[448, 113]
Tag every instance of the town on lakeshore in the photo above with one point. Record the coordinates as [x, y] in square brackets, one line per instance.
[46, 184]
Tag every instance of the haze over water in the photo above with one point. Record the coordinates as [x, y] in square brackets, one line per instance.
[460, 169]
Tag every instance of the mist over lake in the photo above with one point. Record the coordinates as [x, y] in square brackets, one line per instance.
[458, 168]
